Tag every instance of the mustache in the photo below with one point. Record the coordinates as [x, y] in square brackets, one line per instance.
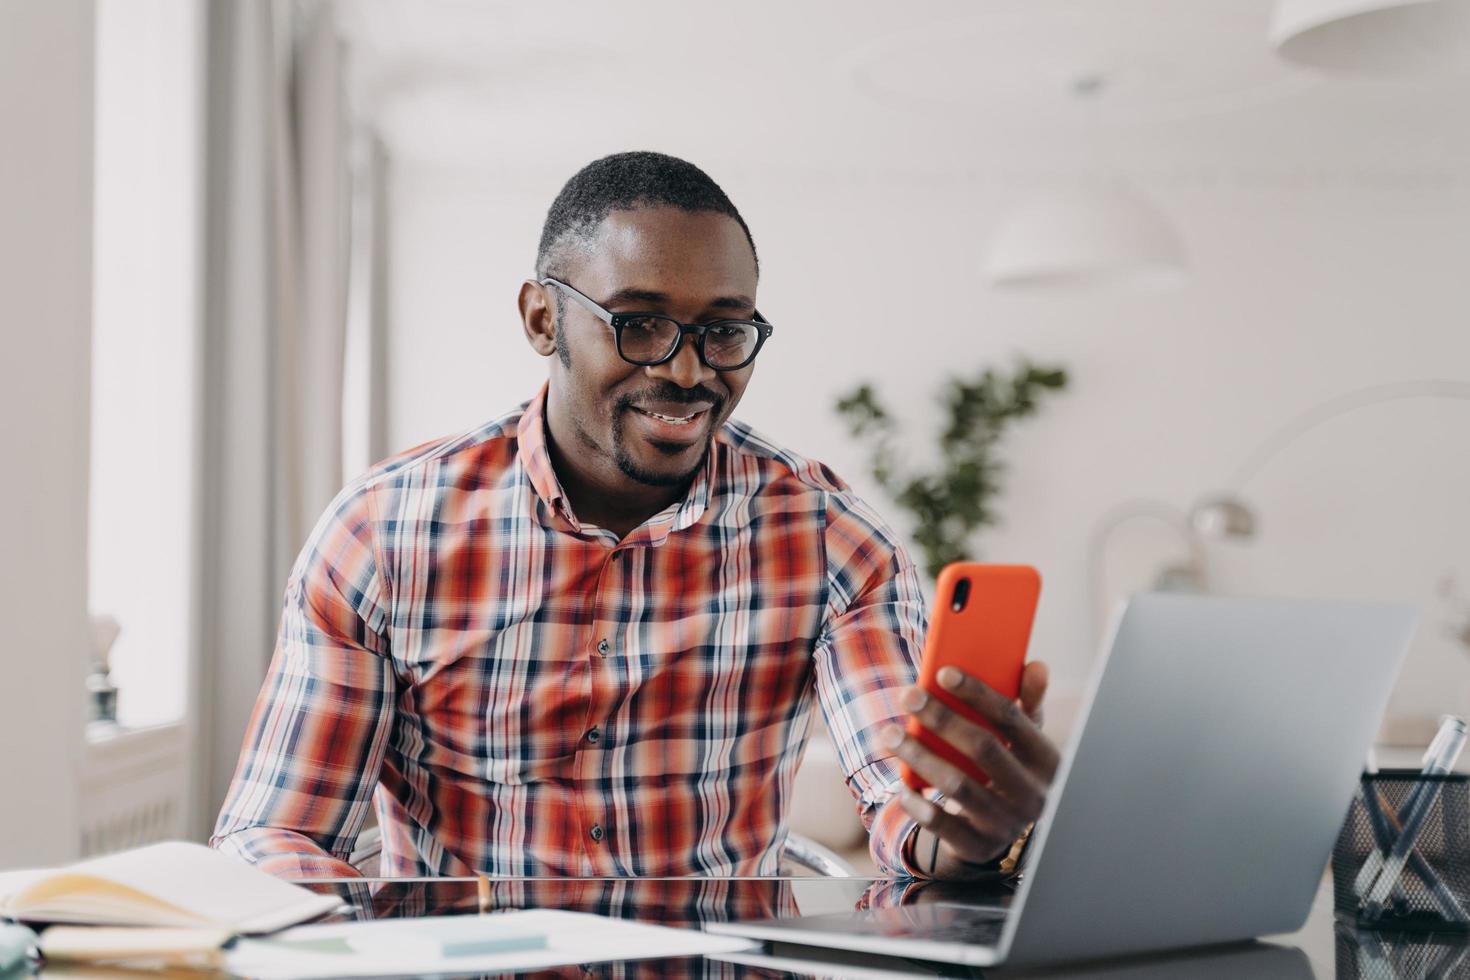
[673, 393]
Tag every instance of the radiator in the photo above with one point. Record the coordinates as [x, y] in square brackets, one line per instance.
[133, 786]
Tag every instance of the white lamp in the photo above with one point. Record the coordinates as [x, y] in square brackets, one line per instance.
[1085, 238]
[1373, 36]
[1227, 514]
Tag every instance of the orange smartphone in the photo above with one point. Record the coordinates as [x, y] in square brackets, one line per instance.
[982, 625]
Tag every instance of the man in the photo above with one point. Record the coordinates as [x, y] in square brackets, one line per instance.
[585, 638]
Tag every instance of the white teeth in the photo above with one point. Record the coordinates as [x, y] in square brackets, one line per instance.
[667, 418]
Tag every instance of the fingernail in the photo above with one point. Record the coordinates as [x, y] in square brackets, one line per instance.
[892, 736]
[913, 699]
[949, 677]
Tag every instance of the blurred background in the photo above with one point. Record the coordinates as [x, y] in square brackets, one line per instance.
[247, 249]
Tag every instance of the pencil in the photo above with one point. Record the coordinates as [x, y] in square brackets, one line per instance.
[484, 884]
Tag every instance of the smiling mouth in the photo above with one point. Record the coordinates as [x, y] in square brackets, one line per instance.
[671, 419]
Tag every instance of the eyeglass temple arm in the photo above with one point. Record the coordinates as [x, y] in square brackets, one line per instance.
[582, 298]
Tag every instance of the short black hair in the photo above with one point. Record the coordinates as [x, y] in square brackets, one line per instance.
[626, 182]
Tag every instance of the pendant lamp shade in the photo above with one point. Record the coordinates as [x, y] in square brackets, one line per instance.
[1084, 239]
[1382, 37]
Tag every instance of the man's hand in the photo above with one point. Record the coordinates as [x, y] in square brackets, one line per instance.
[978, 822]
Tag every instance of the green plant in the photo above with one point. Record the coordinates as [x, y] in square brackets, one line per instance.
[956, 498]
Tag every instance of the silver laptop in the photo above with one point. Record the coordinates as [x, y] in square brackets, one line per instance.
[1198, 801]
[1258, 961]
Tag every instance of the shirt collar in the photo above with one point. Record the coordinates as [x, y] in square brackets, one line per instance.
[535, 460]
[554, 510]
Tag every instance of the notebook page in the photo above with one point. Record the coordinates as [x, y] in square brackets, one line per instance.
[14, 882]
[87, 900]
[193, 880]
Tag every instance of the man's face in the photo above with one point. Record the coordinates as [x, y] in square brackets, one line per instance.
[648, 426]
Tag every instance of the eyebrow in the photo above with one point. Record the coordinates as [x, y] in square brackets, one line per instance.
[632, 294]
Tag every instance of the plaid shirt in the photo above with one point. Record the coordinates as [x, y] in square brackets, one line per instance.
[530, 695]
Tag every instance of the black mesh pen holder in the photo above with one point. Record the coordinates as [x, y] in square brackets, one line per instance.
[1379, 879]
[1375, 954]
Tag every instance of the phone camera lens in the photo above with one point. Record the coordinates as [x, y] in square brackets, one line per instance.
[961, 593]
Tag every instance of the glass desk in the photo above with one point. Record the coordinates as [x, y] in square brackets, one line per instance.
[1322, 949]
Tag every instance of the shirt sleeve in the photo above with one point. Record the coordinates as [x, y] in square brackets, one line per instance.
[868, 651]
[315, 742]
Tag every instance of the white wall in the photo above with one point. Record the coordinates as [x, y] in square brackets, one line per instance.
[45, 321]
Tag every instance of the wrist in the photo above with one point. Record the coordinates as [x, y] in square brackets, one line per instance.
[931, 857]
[928, 856]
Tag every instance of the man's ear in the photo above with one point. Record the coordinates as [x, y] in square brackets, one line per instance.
[538, 318]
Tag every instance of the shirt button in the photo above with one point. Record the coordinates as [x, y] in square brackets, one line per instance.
[602, 648]
[594, 736]
[596, 832]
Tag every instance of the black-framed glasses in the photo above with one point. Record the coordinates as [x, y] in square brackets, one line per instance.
[647, 339]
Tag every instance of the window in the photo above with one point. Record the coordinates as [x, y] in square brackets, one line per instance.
[146, 268]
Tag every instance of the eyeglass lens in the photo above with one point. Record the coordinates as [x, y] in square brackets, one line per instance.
[651, 338]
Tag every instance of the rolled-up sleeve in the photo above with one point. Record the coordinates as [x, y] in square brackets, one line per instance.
[867, 653]
[315, 742]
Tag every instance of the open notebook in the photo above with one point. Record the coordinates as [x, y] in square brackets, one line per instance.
[170, 884]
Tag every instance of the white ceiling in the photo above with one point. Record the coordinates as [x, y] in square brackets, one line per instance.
[943, 87]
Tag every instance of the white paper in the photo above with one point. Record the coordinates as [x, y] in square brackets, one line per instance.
[409, 946]
[172, 883]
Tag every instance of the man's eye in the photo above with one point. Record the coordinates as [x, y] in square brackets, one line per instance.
[727, 336]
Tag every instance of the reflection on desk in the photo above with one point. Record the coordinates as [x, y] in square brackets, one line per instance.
[665, 901]
[1371, 955]
[1322, 949]
[1257, 961]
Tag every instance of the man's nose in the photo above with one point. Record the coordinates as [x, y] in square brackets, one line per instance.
[684, 369]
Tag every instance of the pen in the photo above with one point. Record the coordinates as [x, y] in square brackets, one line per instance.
[1384, 827]
[1415, 815]
[1378, 823]
[1374, 864]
